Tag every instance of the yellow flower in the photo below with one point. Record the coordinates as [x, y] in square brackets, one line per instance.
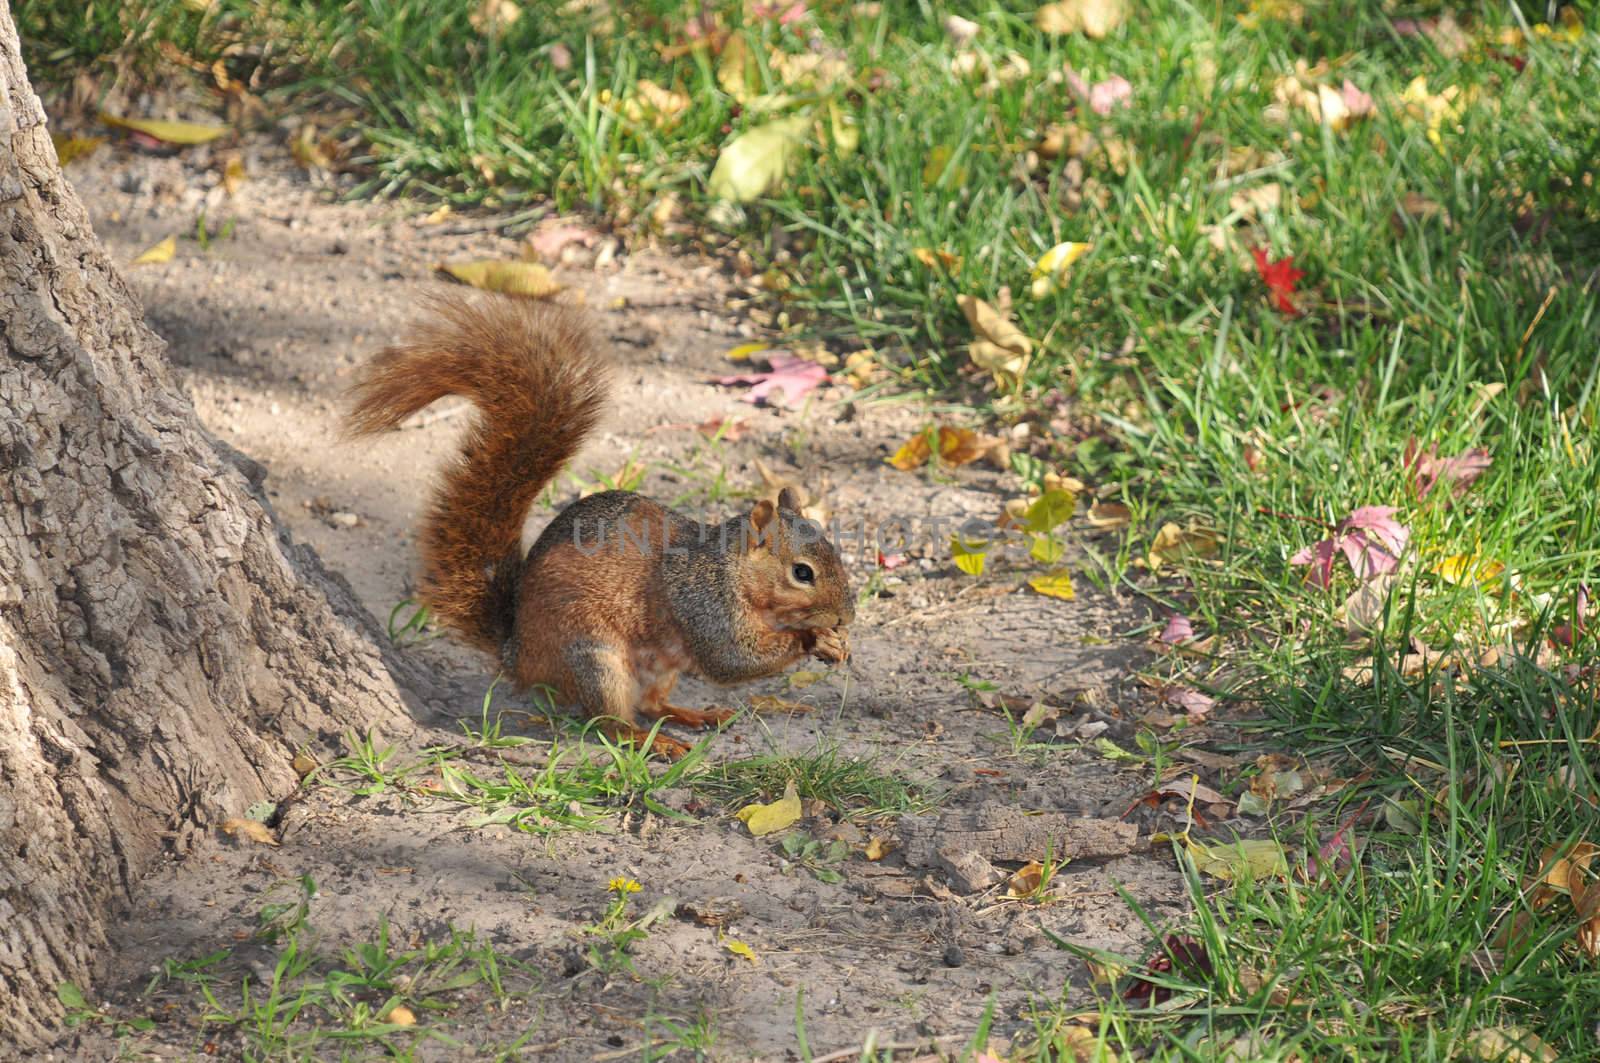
[623, 886]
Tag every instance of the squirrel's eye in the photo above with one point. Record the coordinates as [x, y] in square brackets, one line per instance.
[803, 573]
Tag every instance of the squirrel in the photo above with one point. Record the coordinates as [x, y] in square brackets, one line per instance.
[620, 594]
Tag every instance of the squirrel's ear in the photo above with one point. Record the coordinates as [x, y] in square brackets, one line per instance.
[789, 499]
[761, 519]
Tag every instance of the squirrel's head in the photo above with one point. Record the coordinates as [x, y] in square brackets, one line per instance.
[804, 585]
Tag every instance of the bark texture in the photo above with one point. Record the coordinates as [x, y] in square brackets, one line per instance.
[164, 649]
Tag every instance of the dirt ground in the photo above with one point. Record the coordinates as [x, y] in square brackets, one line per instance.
[267, 325]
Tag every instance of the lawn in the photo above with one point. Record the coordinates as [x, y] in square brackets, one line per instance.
[1328, 328]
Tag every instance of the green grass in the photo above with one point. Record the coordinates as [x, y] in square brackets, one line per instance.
[1180, 390]
[853, 787]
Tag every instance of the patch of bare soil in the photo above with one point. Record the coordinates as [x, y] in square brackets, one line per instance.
[268, 323]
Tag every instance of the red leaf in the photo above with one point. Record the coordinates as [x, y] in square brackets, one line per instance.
[1183, 956]
[1177, 630]
[1426, 469]
[1280, 278]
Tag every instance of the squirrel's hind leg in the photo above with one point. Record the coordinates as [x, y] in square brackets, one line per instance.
[654, 704]
[605, 688]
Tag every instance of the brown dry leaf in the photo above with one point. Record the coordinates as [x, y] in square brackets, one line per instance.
[303, 764]
[1092, 18]
[1109, 515]
[527, 279]
[254, 830]
[999, 346]
[957, 446]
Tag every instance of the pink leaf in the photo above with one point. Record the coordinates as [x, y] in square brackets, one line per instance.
[1320, 557]
[1367, 558]
[1567, 634]
[793, 378]
[1358, 103]
[547, 243]
[890, 562]
[1177, 630]
[1379, 520]
[1427, 469]
[1190, 700]
[1103, 97]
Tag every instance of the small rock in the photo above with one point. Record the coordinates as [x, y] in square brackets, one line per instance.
[953, 956]
[967, 871]
[343, 519]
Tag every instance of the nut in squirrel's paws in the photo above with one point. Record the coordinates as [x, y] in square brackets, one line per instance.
[832, 644]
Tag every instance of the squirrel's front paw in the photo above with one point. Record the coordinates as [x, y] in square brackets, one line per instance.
[830, 644]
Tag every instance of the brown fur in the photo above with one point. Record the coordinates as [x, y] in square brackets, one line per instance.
[620, 594]
[534, 372]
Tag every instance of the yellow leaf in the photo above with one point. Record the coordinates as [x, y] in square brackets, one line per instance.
[764, 819]
[1057, 584]
[183, 133]
[1053, 265]
[1092, 18]
[233, 174]
[400, 1015]
[803, 678]
[999, 346]
[649, 102]
[254, 830]
[739, 948]
[70, 148]
[938, 162]
[913, 453]
[733, 68]
[1252, 858]
[878, 847]
[968, 554]
[773, 703]
[156, 254]
[1173, 542]
[756, 161]
[528, 279]
[744, 351]
[1510, 1044]
[845, 131]
[1046, 549]
[1109, 515]
[1460, 569]
[1050, 510]
[1025, 880]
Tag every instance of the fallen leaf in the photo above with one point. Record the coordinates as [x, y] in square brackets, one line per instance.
[526, 279]
[184, 134]
[739, 948]
[1257, 200]
[648, 103]
[1280, 278]
[1024, 882]
[1462, 569]
[1109, 515]
[1190, 700]
[1425, 469]
[254, 830]
[1509, 1044]
[765, 819]
[156, 254]
[803, 678]
[1092, 18]
[878, 847]
[1050, 510]
[1433, 108]
[771, 703]
[1253, 858]
[1183, 957]
[969, 554]
[303, 764]
[1177, 630]
[400, 1015]
[69, 149]
[932, 259]
[1053, 265]
[1365, 607]
[791, 377]
[999, 346]
[493, 17]
[548, 243]
[756, 161]
[1173, 542]
[1370, 539]
[1103, 97]
[233, 175]
[1057, 584]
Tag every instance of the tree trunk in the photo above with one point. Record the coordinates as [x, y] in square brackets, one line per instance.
[164, 648]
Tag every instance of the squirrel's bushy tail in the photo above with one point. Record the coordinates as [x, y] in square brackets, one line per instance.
[536, 375]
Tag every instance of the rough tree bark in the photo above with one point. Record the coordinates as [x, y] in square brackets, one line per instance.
[164, 648]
